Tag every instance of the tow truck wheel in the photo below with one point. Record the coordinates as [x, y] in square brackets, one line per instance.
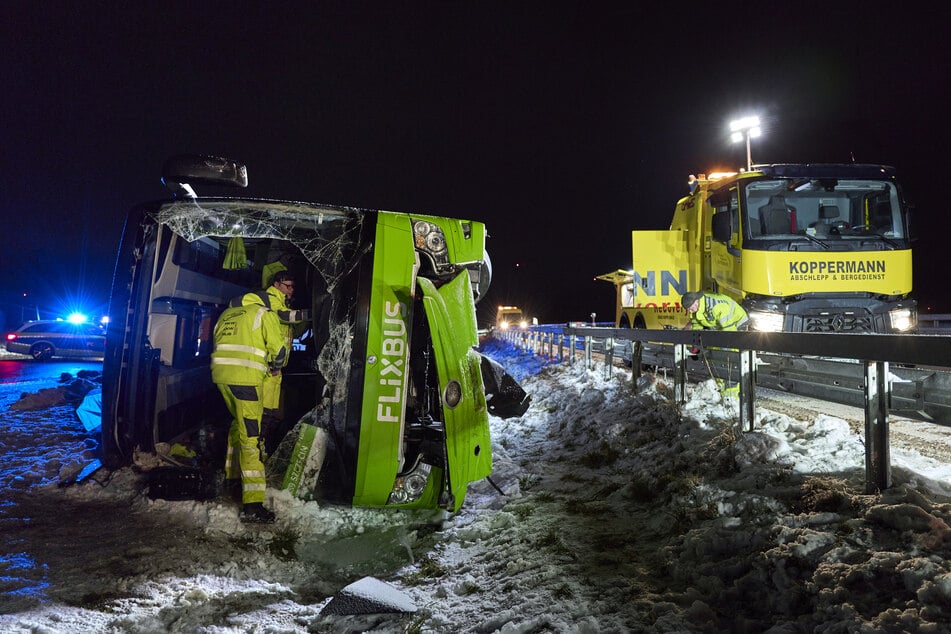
[42, 352]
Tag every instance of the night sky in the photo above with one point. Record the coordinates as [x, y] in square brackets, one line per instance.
[562, 126]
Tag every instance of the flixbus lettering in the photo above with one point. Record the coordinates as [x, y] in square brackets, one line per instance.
[392, 360]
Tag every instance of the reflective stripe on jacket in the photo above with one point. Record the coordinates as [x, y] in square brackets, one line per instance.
[277, 302]
[718, 312]
[249, 341]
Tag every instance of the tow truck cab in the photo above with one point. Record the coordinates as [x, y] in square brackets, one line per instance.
[388, 371]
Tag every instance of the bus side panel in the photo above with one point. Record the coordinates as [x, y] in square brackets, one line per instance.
[386, 361]
[453, 322]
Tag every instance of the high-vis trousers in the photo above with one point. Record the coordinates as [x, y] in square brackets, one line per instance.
[243, 459]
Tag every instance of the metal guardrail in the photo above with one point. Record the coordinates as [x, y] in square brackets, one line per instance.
[868, 379]
[933, 324]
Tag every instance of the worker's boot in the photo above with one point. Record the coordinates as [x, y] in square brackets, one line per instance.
[255, 513]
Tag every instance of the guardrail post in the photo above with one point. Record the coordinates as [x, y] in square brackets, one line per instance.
[608, 357]
[561, 348]
[587, 352]
[680, 372]
[747, 387]
[637, 351]
[877, 460]
[572, 342]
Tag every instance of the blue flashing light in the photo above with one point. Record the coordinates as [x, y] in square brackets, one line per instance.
[76, 318]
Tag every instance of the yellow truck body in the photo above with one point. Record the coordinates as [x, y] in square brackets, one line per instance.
[804, 248]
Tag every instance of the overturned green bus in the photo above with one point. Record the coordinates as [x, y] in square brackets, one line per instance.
[385, 390]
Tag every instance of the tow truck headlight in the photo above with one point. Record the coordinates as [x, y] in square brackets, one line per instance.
[410, 486]
[902, 319]
[766, 321]
[523, 324]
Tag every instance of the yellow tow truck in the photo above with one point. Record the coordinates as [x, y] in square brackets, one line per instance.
[804, 248]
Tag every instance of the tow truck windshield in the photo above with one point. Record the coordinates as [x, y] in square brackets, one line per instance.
[822, 212]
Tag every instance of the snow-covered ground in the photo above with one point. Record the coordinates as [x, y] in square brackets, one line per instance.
[622, 511]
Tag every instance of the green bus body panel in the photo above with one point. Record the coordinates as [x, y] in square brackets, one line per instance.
[385, 378]
[453, 321]
[461, 249]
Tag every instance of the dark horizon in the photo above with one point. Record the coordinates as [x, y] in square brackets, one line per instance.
[563, 126]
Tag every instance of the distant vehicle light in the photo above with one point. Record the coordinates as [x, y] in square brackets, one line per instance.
[504, 325]
[523, 324]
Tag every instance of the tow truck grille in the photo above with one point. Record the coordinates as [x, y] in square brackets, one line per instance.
[837, 323]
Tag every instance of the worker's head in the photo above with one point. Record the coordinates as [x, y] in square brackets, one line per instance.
[691, 301]
[284, 281]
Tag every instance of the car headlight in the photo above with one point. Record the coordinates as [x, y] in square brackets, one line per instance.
[408, 488]
[766, 321]
[902, 319]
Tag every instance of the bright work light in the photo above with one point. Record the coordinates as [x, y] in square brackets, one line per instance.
[745, 128]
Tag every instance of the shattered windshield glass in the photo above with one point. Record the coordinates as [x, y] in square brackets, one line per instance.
[328, 237]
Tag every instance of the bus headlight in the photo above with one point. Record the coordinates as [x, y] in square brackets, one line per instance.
[902, 319]
[430, 239]
[408, 488]
[766, 321]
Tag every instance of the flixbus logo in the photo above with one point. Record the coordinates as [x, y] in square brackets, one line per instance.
[392, 360]
[671, 283]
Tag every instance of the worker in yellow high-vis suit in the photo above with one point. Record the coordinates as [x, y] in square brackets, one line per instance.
[713, 311]
[250, 345]
[277, 296]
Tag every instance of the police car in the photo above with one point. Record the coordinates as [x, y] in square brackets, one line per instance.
[44, 340]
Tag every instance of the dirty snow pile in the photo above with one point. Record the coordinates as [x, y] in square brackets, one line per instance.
[622, 511]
